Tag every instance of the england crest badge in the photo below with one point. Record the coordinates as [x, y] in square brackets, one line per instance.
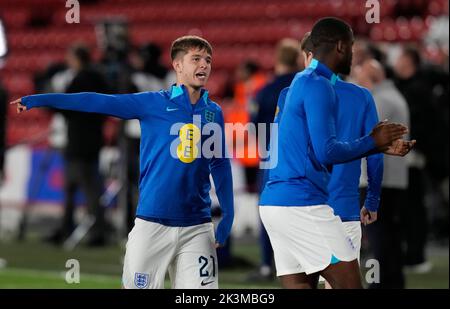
[141, 280]
[209, 116]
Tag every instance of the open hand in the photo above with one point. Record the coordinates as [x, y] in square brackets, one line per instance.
[385, 133]
[400, 147]
[20, 108]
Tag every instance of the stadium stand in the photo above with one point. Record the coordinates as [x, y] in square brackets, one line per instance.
[238, 29]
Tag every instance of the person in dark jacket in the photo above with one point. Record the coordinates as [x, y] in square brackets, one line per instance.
[3, 99]
[417, 91]
[84, 141]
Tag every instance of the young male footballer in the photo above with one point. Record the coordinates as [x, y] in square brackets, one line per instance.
[173, 229]
[307, 238]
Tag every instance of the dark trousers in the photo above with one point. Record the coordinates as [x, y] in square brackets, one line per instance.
[131, 182]
[85, 176]
[385, 239]
[266, 247]
[415, 224]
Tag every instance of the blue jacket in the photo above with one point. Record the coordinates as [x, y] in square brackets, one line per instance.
[174, 180]
[307, 143]
[355, 117]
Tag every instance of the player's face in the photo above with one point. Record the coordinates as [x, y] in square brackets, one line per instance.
[193, 68]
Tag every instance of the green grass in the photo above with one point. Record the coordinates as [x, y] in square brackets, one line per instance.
[33, 264]
[437, 278]
[12, 278]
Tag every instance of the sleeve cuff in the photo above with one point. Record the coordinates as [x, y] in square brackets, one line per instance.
[372, 205]
[370, 143]
[26, 101]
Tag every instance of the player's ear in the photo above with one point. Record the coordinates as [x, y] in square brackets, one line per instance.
[177, 65]
[340, 47]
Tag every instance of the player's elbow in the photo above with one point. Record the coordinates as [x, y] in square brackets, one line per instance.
[324, 158]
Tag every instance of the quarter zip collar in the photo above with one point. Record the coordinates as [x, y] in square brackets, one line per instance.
[323, 70]
[180, 94]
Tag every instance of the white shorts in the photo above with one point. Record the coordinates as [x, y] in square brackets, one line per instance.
[187, 252]
[306, 239]
[354, 231]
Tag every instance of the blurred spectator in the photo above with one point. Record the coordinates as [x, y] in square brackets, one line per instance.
[250, 80]
[365, 50]
[43, 81]
[438, 32]
[3, 110]
[286, 66]
[84, 132]
[150, 75]
[417, 90]
[115, 44]
[385, 239]
[361, 52]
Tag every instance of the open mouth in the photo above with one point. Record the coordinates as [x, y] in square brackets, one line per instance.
[201, 75]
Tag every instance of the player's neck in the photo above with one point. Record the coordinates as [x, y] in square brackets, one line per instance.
[330, 62]
[194, 93]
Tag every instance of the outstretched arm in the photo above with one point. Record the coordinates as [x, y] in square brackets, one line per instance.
[125, 106]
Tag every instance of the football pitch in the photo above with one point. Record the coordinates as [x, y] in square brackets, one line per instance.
[36, 265]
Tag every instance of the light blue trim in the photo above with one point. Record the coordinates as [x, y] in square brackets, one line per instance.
[205, 96]
[334, 79]
[176, 91]
[334, 260]
[314, 63]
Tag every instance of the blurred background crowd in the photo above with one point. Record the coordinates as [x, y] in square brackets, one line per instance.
[51, 162]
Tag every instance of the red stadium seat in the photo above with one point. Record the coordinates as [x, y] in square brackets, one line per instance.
[15, 18]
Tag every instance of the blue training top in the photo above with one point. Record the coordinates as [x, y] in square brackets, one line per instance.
[355, 117]
[307, 143]
[173, 191]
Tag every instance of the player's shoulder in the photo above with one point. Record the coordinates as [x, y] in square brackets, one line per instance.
[283, 94]
[281, 100]
[311, 79]
[358, 90]
[213, 106]
[163, 94]
[317, 83]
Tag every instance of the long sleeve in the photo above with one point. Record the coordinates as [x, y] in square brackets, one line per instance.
[321, 124]
[223, 182]
[375, 161]
[125, 106]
